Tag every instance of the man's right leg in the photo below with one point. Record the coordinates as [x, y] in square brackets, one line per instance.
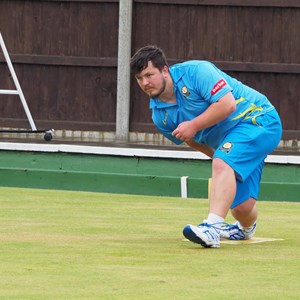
[244, 211]
[223, 188]
[222, 194]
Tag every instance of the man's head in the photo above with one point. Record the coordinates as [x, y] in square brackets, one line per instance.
[150, 67]
[143, 56]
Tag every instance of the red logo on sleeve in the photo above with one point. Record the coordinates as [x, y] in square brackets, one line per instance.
[221, 83]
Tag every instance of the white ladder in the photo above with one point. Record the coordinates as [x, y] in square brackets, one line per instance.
[18, 91]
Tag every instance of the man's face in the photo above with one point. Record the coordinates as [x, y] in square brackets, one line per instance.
[152, 81]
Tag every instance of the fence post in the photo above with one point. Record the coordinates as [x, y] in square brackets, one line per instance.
[123, 77]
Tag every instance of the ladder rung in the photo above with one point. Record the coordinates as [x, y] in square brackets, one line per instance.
[9, 92]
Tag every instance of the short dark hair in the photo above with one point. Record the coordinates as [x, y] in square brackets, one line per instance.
[140, 59]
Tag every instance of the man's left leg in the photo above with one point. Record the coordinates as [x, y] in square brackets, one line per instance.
[246, 215]
[246, 212]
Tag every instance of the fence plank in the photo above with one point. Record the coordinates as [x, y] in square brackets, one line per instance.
[65, 55]
[256, 3]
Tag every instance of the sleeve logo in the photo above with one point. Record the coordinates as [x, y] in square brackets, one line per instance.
[221, 83]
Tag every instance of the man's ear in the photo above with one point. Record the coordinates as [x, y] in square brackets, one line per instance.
[165, 70]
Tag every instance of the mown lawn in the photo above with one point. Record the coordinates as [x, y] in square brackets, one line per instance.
[78, 245]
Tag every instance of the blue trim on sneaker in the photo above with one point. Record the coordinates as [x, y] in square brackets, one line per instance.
[236, 232]
[207, 235]
[191, 236]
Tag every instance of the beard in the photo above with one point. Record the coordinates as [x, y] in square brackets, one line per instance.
[156, 93]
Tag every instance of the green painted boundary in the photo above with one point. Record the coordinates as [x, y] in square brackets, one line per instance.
[131, 175]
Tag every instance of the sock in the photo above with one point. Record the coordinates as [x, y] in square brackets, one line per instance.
[213, 218]
[247, 229]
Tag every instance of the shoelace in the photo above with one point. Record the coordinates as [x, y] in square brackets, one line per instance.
[217, 226]
[232, 231]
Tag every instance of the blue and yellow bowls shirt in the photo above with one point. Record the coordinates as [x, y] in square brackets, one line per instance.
[198, 84]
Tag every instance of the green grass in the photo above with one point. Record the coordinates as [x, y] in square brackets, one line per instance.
[77, 245]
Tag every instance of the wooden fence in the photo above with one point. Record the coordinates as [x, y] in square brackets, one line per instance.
[65, 55]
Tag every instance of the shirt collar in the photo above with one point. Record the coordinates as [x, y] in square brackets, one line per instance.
[176, 74]
[155, 102]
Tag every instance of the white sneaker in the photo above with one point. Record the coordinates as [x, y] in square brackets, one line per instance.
[236, 232]
[207, 235]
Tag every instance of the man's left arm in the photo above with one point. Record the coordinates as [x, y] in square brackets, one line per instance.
[201, 148]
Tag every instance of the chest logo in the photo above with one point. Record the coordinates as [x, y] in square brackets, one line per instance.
[185, 92]
[165, 119]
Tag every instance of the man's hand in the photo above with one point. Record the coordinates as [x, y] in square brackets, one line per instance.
[214, 114]
[185, 130]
